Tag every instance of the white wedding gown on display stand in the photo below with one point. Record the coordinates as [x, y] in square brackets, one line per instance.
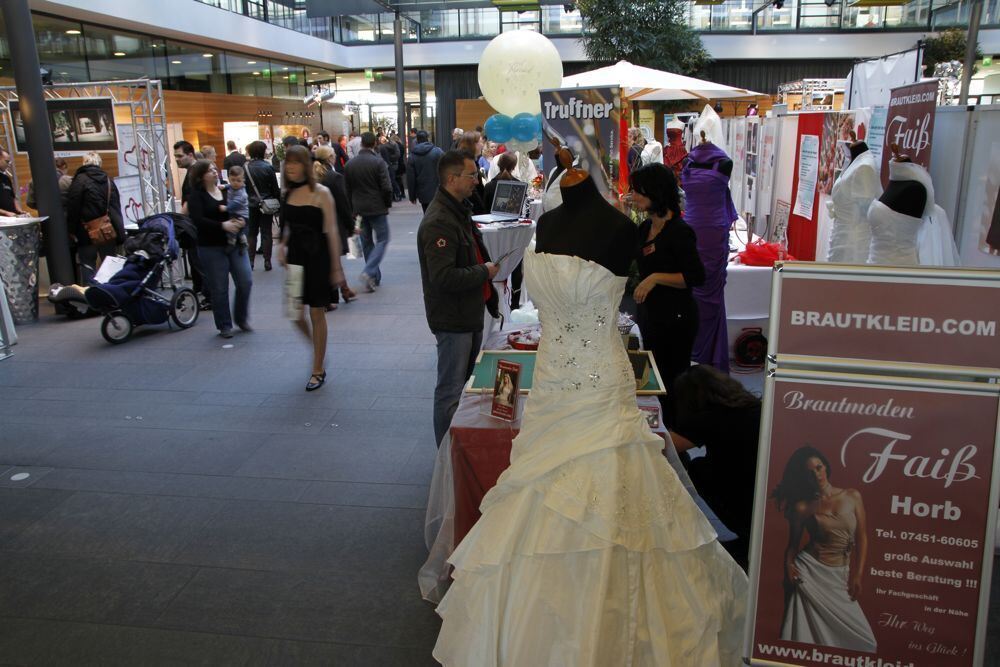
[850, 198]
[902, 240]
[589, 552]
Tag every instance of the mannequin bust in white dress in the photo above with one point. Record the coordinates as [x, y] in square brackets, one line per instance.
[858, 185]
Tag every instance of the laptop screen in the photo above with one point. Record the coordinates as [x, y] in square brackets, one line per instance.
[509, 198]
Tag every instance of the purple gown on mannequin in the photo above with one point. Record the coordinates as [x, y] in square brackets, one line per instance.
[710, 212]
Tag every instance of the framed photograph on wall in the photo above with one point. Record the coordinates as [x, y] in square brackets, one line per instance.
[78, 125]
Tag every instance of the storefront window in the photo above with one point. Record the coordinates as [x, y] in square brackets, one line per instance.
[816, 14]
[860, 18]
[436, 23]
[60, 49]
[114, 55]
[520, 20]
[287, 80]
[196, 68]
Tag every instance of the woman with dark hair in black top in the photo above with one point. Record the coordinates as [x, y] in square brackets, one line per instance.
[220, 258]
[669, 266]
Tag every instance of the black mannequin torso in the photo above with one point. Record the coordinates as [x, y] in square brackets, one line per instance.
[857, 148]
[906, 197]
[588, 227]
[725, 166]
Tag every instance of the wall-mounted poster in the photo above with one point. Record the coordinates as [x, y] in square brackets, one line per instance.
[587, 120]
[80, 124]
[130, 194]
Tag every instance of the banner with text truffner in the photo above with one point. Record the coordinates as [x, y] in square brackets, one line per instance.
[910, 124]
[922, 316]
[872, 530]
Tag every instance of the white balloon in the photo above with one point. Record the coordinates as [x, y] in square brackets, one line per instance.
[514, 67]
[522, 146]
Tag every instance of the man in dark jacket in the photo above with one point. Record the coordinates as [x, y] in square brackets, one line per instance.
[234, 158]
[92, 195]
[389, 150]
[262, 183]
[370, 192]
[456, 271]
[422, 171]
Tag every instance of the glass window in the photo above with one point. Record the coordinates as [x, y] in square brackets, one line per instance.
[520, 20]
[778, 19]
[60, 48]
[557, 21]
[359, 28]
[114, 55]
[247, 75]
[914, 14]
[255, 9]
[196, 68]
[816, 14]
[437, 23]
[287, 80]
[859, 18]
[479, 22]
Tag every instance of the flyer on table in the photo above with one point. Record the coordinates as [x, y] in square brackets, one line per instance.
[875, 524]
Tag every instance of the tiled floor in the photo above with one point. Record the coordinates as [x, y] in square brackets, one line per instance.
[189, 503]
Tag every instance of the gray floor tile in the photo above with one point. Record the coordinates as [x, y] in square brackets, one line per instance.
[59, 643]
[331, 457]
[22, 476]
[158, 450]
[88, 590]
[27, 444]
[303, 537]
[346, 655]
[321, 607]
[118, 526]
[413, 496]
[21, 508]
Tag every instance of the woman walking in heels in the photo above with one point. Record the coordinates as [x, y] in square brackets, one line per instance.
[310, 240]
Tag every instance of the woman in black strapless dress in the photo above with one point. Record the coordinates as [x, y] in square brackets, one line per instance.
[309, 238]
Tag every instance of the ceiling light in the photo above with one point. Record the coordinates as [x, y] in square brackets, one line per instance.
[119, 53]
[315, 73]
[256, 73]
[72, 32]
[206, 55]
[175, 62]
[285, 68]
[251, 62]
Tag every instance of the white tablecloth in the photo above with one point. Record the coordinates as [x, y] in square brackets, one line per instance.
[748, 292]
[500, 240]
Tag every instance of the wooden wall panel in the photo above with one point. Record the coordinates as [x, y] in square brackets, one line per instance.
[472, 113]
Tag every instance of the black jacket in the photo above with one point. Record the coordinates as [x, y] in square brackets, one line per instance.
[390, 153]
[266, 180]
[87, 199]
[203, 210]
[340, 159]
[342, 205]
[234, 159]
[451, 274]
[368, 183]
[422, 172]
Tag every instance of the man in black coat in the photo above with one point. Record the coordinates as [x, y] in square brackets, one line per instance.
[389, 150]
[455, 270]
[422, 170]
[91, 195]
[235, 158]
[370, 190]
[262, 183]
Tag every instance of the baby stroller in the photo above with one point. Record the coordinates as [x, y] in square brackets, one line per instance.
[131, 297]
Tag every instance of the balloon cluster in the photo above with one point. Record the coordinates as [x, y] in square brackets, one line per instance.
[513, 68]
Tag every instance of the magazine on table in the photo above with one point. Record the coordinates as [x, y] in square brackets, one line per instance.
[505, 390]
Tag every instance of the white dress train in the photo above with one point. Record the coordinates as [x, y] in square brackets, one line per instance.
[589, 551]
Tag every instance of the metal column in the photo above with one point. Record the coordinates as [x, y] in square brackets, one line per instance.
[397, 26]
[31, 99]
[975, 16]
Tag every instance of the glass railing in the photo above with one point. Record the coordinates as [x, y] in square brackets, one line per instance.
[731, 16]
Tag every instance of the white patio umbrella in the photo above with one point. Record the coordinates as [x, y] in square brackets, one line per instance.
[643, 83]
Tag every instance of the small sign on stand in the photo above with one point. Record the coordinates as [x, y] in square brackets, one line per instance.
[505, 390]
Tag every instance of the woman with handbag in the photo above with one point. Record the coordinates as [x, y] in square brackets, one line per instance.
[93, 216]
[220, 259]
[265, 202]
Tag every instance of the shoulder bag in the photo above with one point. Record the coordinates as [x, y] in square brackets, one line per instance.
[100, 230]
[269, 206]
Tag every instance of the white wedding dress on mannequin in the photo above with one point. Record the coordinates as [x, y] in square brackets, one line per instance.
[589, 551]
[850, 198]
[902, 240]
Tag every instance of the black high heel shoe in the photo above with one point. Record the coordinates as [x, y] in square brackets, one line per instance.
[316, 380]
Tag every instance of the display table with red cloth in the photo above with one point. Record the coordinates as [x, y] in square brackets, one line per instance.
[472, 456]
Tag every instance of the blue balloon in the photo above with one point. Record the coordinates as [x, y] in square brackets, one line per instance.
[498, 128]
[524, 126]
[539, 134]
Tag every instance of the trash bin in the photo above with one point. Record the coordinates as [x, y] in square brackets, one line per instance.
[19, 245]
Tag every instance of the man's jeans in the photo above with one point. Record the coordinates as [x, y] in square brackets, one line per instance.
[457, 354]
[374, 248]
[219, 263]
